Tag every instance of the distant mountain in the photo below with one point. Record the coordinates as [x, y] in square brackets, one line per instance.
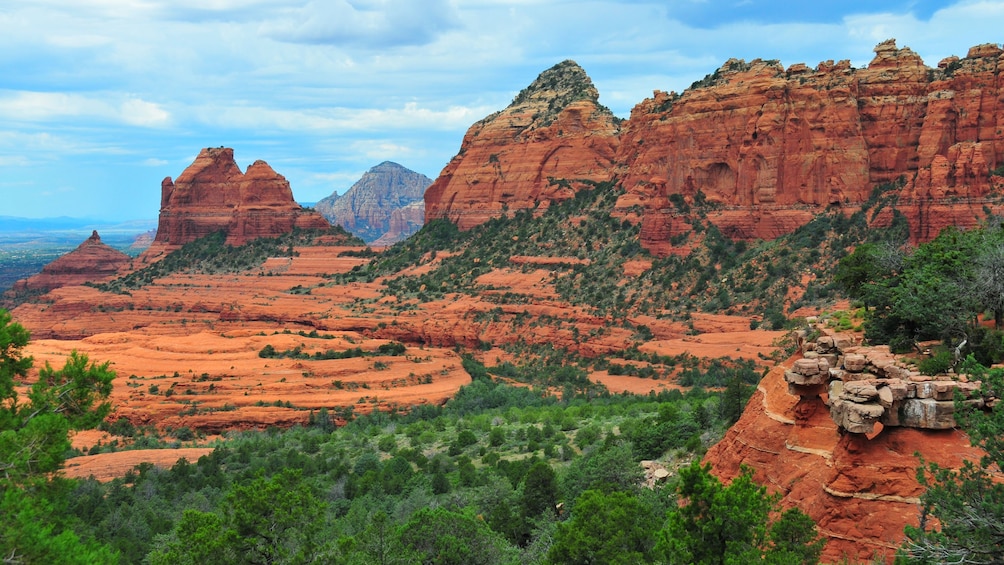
[383, 207]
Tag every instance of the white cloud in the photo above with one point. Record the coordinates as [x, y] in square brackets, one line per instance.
[14, 161]
[340, 120]
[154, 162]
[142, 113]
[363, 23]
[27, 106]
[380, 150]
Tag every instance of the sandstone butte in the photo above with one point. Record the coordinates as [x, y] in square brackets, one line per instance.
[383, 207]
[764, 147]
[91, 261]
[212, 194]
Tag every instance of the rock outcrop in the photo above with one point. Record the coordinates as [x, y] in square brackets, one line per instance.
[212, 195]
[92, 261]
[539, 150]
[383, 207]
[756, 148]
[865, 386]
[811, 433]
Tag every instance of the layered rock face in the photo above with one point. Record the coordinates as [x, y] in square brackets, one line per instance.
[836, 432]
[91, 261]
[383, 207]
[554, 130]
[770, 147]
[761, 149]
[212, 194]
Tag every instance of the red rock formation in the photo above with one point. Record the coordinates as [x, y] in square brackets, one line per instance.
[764, 147]
[770, 148]
[212, 194]
[861, 493]
[403, 222]
[91, 261]
[554, 129]
[383, 207]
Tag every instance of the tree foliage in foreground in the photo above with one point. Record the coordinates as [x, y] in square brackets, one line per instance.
[720, 524]
[34, 439]
[968, 503]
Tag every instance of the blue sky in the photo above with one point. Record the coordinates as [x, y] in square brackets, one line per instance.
[101, 99]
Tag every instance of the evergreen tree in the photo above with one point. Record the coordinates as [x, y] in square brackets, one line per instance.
[968, 503]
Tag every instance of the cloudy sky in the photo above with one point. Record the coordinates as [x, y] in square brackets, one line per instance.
[101, 99]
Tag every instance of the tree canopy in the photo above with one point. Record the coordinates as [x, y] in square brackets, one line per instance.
[34, 439]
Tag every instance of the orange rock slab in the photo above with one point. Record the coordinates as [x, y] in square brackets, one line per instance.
[861, 493]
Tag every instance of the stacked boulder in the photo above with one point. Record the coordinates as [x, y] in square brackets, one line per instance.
[867, 385]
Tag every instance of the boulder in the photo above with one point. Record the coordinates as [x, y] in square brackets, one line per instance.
[855, 362]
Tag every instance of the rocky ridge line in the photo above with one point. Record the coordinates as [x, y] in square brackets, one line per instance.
[759, 148]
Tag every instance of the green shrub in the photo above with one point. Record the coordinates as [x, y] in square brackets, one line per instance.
[937, 364]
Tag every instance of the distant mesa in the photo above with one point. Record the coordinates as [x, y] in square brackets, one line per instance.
[143, 240]
[383, 207]
[213, 195]
[92, 261]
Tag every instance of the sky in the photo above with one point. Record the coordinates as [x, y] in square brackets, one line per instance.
[102, 99]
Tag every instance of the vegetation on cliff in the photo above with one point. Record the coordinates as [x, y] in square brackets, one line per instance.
[963, 510]
[590, 246]
[212, 255]
[937, 291]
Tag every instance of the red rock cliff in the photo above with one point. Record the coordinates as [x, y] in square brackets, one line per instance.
[765, 147]
[770, 147]
[212, 194]
[554, 129]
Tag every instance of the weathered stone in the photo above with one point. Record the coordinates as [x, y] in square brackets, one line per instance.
[824, 344]
[927, 413]
[842, 342]
[855, 362]
[807, 390]
[806, 380]
[860, 391]
[850, 377]
[811, 366]
[855, 417]
[885, 397]
[832, 359]
[899, 389]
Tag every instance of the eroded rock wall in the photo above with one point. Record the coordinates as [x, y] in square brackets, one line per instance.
[760, 148]
[769, 147]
